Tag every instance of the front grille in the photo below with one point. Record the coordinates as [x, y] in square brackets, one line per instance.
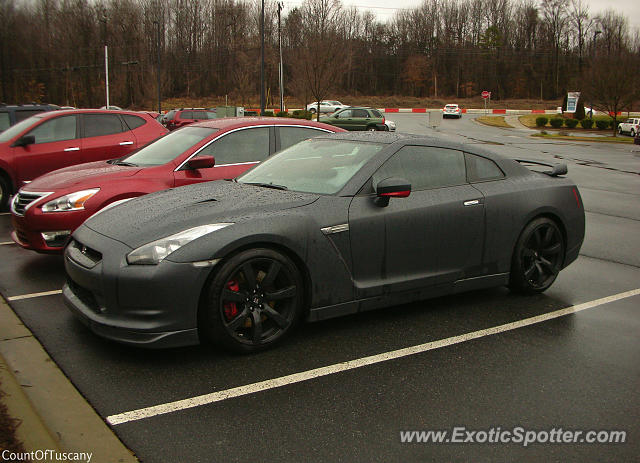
[85, 296]
[83, 255]
[23, 199]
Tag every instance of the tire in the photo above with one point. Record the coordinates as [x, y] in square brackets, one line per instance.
[538, 257]
[5, 192]
[312, 110]
[620, 130]
[632, 133]
[252, 302]
[371, 128]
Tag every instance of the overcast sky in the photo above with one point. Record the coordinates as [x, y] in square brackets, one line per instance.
[385, 9]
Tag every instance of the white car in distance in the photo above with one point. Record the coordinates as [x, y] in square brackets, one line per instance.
[326, 106]
[452, 110]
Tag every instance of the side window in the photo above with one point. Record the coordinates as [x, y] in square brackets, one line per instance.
[186, 115]
[199, 115]
[57, 129]
[425, 167]
[344, 114]
[376, 113]
[481, 169]
[22, 114]
[360, 113]
[4, 121]
[291, 135]
[96, 125]
[211, 115]
[133, 122]
[241, 146]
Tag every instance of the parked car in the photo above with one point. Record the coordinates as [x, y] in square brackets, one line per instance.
[331, 226]
[630, 126]
[391, 126]
[12, 114]
[452, 110]
[326, 106]
[211, 150]
[177, 118]
[356, 118]
[56, 139]
[112, 107]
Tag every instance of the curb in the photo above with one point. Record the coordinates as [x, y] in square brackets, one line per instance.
[54, 415]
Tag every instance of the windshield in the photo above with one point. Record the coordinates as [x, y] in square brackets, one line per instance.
[320, 166]
[17, 128]
[168, 147]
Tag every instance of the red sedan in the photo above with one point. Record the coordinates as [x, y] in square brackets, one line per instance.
[56, 139]
[46, 211]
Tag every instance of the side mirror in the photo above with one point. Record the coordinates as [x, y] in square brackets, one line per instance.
[392, 187]
[201, 162]
[25, 140]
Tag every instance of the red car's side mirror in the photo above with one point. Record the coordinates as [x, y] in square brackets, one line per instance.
[201, 162]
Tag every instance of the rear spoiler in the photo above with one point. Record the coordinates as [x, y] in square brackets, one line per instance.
[556, 169]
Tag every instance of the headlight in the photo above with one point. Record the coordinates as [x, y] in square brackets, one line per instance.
[152, 253]
[70, 202]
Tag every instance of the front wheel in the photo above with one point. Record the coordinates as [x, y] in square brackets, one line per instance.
[312, 110]
[633, 133]
[620, 130]
[538, 257]
[253, 302]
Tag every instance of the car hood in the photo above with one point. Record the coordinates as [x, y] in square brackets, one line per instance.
[164, 213]
[83, 175]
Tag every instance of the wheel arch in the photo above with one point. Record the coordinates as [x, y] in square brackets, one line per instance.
[551, 215]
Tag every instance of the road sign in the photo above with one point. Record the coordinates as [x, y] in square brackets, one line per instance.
[486, 94]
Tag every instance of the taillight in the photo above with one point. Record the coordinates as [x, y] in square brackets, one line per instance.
[383, 119]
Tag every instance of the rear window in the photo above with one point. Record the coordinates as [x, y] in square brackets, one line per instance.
[481, 169]
[376, 113]
[133, 122]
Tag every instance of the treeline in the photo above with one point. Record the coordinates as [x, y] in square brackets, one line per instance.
[53, 50]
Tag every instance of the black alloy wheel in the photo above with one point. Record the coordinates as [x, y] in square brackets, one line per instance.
[538, 257]
[253, 301]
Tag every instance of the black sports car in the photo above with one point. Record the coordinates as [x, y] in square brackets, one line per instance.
[331, 226]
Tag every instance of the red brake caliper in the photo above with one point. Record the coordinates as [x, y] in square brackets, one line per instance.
[230, 308]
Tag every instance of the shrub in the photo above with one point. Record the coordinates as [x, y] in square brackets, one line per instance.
[541, 121]
[268, 114]
[556, 122]
[579, 114]
[282, 114]
[602, 124]
[571, 123]
[586, 123]
[302, 114]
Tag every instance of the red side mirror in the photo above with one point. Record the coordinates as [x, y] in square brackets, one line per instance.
[201, 162]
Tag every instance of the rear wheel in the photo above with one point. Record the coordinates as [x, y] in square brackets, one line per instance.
[312, 110]
[371, 128]
[253, 302]
[538, 257]
[4, 193]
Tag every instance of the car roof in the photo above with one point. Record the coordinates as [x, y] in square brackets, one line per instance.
[237, 122]
[89, 111]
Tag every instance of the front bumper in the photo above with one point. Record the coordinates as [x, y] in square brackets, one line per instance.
[28, 228]
[144, 305]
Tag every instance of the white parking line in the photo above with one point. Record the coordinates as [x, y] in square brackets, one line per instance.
[5, 213]
[219, 396]
[29, 296]
[6, 243]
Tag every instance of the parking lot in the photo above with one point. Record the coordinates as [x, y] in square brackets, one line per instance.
[344, 389]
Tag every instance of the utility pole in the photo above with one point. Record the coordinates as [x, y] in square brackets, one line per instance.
[262, 61]
[106, 72]
[281, 73]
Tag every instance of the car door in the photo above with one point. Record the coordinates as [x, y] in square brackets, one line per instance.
[342, 119]
[104, 136]
[359, 119]
[56, 145]
[234, 152]
[434, 236]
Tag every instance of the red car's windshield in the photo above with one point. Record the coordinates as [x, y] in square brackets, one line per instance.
[168, 147]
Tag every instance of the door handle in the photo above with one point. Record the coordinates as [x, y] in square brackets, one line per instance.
[77, 148]
[473, 202]
[126, 143]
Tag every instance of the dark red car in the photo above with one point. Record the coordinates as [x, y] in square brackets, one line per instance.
[177, 118]
[56, 139]
[46, 211]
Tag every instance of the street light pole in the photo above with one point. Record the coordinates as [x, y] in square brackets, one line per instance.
[159, 89]
[262, 61]
[281, 73]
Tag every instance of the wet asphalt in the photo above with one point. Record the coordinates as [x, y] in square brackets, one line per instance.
[578, 372]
